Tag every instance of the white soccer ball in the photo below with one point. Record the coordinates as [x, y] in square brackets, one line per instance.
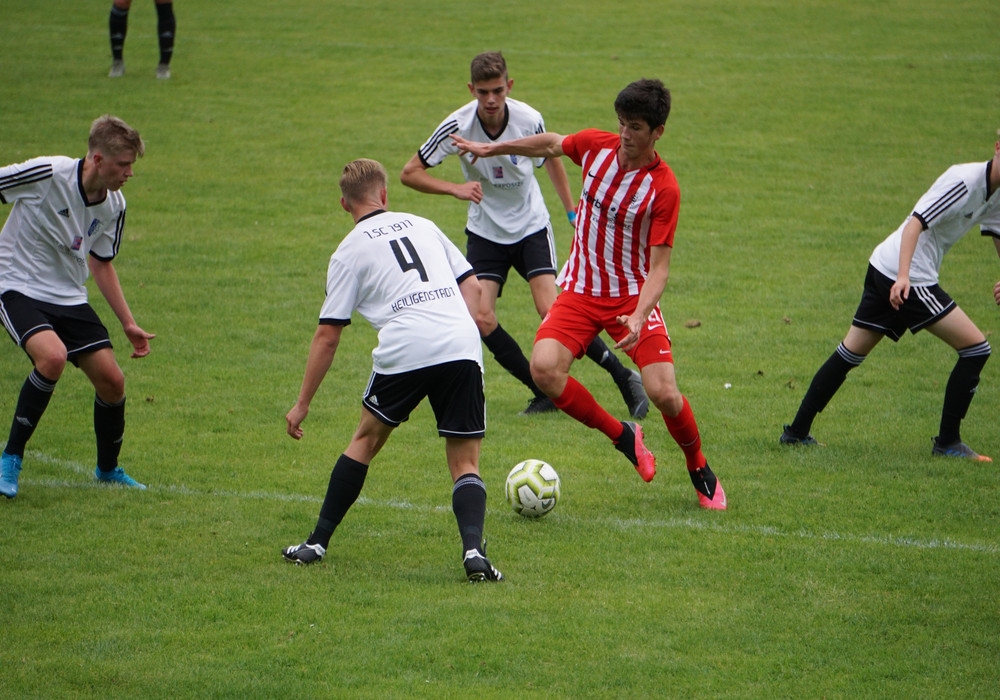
[532, 488]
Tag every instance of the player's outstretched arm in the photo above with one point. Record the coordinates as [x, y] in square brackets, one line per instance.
[546, 145]
[416, 176]
[321, 353]
[107, 282]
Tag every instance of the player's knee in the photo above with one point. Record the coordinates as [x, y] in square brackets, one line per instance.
[976, 354]
[546, 376]
[51, 361]
[663, 394]
[669, 403]
[110, 386]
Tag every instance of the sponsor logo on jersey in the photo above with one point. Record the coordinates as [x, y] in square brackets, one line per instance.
[63, 212]
[498, 172]
[77, 242]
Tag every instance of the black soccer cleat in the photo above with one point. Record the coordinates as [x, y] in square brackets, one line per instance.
[304, 553]
[790, 438]
[633, 393]
[478, 568]
[539, 404]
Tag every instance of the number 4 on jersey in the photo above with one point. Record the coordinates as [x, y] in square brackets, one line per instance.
[411, 263]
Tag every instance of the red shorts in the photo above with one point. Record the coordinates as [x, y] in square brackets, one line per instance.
[576, 319]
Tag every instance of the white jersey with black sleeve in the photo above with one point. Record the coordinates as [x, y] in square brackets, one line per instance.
[401, 273]
[956, 202]
[512, 207]
[52, 228]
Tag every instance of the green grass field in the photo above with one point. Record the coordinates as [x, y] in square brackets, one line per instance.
[801, 133]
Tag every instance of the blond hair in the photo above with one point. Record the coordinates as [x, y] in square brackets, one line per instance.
[362, 179]
[111, 136]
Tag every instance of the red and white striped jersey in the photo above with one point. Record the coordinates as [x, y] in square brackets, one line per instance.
[621, 214]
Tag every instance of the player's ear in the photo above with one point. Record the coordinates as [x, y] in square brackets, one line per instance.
[343, 203]
[472, 90]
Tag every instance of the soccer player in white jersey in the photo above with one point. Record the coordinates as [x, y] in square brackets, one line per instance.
[508, 223]
[404, 276]
[615, 274]
[901, 291]
[68, 217]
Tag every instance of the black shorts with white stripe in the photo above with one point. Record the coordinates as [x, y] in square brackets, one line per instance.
[77, 326]
[454, 389]
[923, 307]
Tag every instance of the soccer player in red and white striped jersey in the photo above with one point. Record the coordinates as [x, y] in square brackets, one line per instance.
[615, 274]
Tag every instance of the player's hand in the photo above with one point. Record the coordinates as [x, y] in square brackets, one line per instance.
[470, 192]
[571, 215]
[634, 326]
[899, 293]
[476, 149]
[139, 339]
[293, 420]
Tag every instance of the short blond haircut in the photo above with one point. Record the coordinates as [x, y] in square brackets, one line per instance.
[111, 136]
[363, 179]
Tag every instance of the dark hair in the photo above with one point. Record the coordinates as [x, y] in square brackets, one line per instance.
[645, 99]
[488, 66]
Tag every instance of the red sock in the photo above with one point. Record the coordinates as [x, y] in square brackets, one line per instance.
[684, 430]
[579, 403]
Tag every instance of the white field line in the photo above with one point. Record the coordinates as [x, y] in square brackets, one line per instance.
[619, 523]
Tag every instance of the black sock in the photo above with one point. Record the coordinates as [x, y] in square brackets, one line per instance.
[109, 428]
[346, 481]
[117, 28]
[468, 501]
[508, 354]
[960, 391]
[31, 404]
[599, 352]
[166, 26]
[824, 385]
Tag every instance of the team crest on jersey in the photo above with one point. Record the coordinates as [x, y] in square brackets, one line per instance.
[498, 172]
[513, 159]
[94, 225]
[77, 243]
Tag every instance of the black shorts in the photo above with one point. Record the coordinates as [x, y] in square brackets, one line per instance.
[78, 326]
[924, 306]
[531, 256]
[455, 391]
